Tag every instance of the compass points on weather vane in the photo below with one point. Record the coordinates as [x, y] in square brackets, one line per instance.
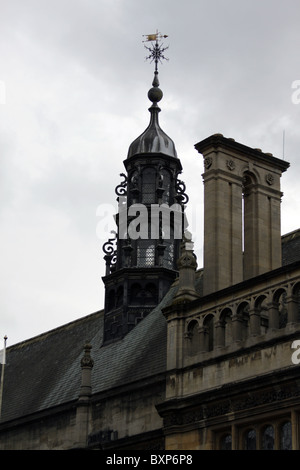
[157, 49]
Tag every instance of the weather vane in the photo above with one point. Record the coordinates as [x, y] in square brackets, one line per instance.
[157, 49]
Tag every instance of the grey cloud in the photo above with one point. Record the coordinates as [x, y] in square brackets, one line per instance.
[77, 83]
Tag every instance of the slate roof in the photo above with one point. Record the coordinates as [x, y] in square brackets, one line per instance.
[45, 371]
[291, 247]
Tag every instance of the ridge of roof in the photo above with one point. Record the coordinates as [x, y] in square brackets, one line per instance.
[290, 235]
[43, 335]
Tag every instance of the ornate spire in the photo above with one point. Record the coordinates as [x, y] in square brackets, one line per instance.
[154, 139]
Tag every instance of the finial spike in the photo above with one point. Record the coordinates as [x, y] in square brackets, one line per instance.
[156, 50]
[155, 82]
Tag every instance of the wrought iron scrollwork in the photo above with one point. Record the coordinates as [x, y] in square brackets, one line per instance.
[108, 247]
[134, 179]
[121, 189]
[110, 251]
[180, 190]
[160, 180]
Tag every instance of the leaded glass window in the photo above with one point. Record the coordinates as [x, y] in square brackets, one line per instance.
[226, 442]
[193, 336]
[149, 186]
[250, 440]
[268, 438]
[168, 259]
[209, 328]
[145, 254]
[166, 182]
[286, 436]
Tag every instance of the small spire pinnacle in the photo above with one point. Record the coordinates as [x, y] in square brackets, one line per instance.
[87, 364]
[187, 265]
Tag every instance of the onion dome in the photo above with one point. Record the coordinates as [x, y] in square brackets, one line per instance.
[153, 140]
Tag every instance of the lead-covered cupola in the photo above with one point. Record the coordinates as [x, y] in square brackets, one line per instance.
[153, 140]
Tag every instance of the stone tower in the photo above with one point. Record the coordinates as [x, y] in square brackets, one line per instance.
[242, 230]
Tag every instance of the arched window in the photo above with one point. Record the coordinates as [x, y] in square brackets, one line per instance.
[279, 299]
[226, 322]
[149, 186]
[208, 325]
[296, 295]
[250, 440]
[262, 309]
[193, 337]
[142, 296]
[151, 294]
[134, 291]
[226, 442]
[119, 297]
[286, 436]
[165, 183]
[111, 300]
[243, 314]
[268, 438]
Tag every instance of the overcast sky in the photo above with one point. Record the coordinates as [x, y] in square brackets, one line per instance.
[73, 96]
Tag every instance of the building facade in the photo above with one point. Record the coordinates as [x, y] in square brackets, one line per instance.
[181, 357]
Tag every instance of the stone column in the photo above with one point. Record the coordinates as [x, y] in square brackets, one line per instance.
[254, 322]
[237, 327]
[262, 246]
[203, 339]
[273, 311]
[292, 309]
[234, 438]
[220, 334]
[223, 259]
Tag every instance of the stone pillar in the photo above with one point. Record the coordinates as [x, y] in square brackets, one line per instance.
[254, 322]
[273, 311]
[276, 436]
[187, 265]
[220, 334]
[262, 226]
[234, 437]
[237, 327]
[83, 403]
[223, 258]
[203, 339]
[292, 309]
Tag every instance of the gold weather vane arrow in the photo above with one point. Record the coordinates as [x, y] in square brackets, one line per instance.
[154, 37]
[157, 49]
